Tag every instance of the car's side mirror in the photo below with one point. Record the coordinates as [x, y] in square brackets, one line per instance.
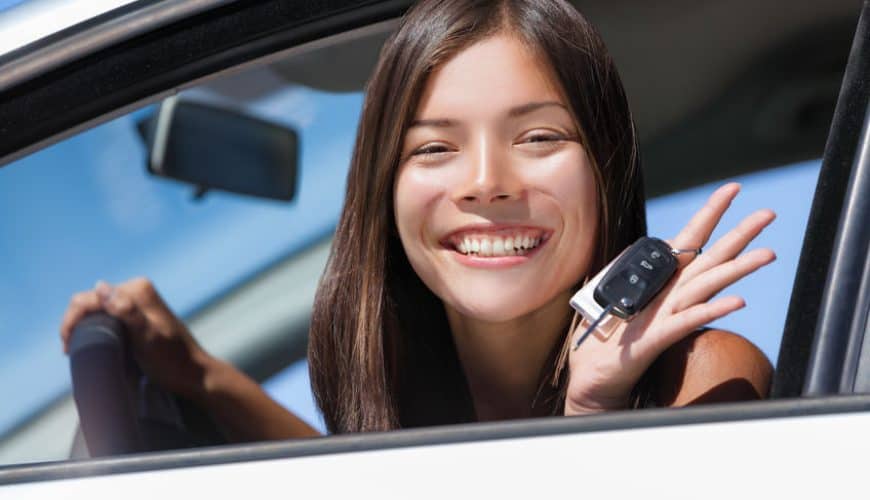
[216, 148]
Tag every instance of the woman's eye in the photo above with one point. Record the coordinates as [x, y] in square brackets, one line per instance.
[430, 150]
[542, 138]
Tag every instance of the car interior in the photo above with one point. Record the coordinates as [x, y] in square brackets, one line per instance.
[718, 90]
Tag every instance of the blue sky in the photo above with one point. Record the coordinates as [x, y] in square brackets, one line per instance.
[5, 4]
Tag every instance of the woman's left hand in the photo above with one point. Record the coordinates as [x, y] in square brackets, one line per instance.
[603, 371]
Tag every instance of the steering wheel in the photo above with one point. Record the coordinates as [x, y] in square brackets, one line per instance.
[120, 410]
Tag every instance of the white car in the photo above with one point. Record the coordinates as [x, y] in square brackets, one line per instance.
[95, 184]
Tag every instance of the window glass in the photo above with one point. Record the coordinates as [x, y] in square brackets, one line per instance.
[86, 209]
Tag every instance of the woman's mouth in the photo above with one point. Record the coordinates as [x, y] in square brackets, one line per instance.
[494, 243]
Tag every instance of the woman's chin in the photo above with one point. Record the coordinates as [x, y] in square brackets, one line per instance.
[495, 307]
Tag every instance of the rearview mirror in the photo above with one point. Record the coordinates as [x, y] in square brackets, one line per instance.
[216, 148]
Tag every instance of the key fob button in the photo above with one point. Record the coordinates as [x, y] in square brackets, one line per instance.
[641, 271]
[635, 279]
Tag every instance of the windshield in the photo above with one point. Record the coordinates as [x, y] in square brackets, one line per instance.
[86, 209]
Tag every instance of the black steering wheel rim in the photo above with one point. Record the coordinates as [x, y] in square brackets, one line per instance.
[120, 410]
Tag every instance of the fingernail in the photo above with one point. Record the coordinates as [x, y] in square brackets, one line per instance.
[104, 290]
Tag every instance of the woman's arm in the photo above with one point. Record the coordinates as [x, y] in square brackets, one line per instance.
[171, 357]
[242, 409]
[710, 366]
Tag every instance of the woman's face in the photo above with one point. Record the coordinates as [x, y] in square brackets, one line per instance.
[495, 199]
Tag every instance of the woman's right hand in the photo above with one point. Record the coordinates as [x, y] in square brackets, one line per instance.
[171, 357]
[161, 343]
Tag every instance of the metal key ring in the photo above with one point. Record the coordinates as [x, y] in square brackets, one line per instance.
[676, 252]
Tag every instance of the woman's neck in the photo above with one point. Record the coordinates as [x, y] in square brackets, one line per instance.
[503, 362]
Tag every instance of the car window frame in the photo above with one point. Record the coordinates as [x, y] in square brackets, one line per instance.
[823, 339]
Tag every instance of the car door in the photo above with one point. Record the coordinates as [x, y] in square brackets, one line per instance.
[154, 49]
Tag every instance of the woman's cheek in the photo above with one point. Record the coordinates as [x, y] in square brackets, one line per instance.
[567, 181]
[417, 192]
[567, 176]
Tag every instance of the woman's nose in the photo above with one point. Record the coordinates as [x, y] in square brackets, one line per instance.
[489, 178]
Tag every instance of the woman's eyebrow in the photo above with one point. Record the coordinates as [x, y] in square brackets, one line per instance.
[512, 113]
[533, 106]
[434, 122]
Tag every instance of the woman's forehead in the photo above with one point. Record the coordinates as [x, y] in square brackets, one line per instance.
[491, 76]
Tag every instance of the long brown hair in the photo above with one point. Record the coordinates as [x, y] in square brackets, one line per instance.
[381, 355]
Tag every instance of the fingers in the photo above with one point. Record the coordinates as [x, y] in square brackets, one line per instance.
[711, 282]
[134, 302]
[696, 233]
[80, 305]
[701, 314]
[124, 307]
[144, 295]
[730, 245]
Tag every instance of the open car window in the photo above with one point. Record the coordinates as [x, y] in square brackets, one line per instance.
[92, 211]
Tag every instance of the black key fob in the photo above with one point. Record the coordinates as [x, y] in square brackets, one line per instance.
[636, 277]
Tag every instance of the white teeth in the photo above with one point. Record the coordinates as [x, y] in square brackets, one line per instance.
[498, 247]
[485, 247]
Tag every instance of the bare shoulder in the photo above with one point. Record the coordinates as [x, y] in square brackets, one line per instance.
[711, 366]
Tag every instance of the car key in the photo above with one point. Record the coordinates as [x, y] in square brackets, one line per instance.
[632, 280]
[636, 277]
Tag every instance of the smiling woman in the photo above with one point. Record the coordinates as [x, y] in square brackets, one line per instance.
[504, 175]
[476, 205]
